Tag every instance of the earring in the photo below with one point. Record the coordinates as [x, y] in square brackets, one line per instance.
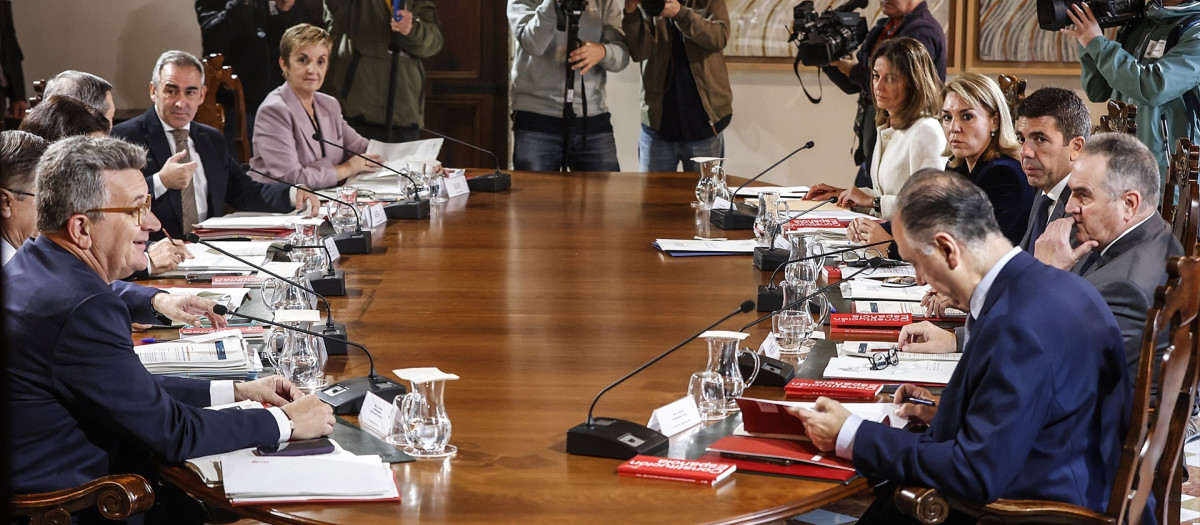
[993, 133]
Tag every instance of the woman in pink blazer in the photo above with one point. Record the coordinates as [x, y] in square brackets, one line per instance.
[287, 119]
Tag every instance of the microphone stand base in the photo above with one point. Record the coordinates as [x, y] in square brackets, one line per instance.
[771, 372]
[490, 183]
[346, 397]
[740, 218]
[410, 209]
[769, 298]
[328, 285]
[770, 259]
[336, 345]
[615, 438]
[353, 242]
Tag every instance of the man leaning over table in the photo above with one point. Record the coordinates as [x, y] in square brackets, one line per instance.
[1031, 411]
[79, 398]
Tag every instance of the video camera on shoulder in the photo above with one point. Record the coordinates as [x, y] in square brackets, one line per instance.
[1052, 14]
[828, 36]
[574, 6]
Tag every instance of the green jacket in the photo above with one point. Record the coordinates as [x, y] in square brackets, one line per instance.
[705, 26]
[1112, 70]
[360, 63]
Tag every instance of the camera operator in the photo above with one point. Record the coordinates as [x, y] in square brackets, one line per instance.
[910, 18]
[539, 79]
[685, 84]
[1143, 67]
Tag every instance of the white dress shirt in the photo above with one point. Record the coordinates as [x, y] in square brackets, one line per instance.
[199, 180]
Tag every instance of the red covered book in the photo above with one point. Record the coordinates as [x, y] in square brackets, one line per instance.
[689, 470]
[795, 470]
[879, 324]
[245, 330]
[815, 222]
[236, 281]
[837, 389]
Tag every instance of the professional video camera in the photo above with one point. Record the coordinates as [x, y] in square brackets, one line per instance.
[574, 6]
[825, 37]
[1052, 14]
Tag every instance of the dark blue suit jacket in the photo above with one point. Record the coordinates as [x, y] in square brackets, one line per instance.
[77, 390]
[1033, 410]
[227, 183]
[1004, 182]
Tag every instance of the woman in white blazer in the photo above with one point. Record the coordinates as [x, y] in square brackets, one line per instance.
[908, 98]
[291, 114]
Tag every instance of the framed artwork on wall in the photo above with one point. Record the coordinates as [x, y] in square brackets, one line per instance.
[1002, 36]
[760, 28]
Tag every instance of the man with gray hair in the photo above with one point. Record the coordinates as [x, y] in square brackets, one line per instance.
[1124, 243]
[76, 384]
[1029, 401]
[88, 88]
[184, 198]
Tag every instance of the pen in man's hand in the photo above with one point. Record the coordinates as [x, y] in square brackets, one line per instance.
[919, 401]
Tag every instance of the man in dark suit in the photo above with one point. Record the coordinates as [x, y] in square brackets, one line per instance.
[1032, 410]
[1052, 126]
[1123, 242]
[168, 133]
[78, 393]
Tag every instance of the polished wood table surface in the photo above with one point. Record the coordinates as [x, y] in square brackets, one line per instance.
[538, 297]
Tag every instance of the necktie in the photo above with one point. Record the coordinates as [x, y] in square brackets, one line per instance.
[1090, 263]
[187, 195]
[1041, 216]
[967, 329]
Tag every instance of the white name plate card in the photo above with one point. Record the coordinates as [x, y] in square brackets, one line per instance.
[376, 415]
[332, 247]
[675, 417]
[378, 216]
[456, 184]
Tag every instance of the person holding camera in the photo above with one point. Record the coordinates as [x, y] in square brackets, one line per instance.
[907, 92]
[904, 18]
[687, 97]
[539, 79]
[1151, 64]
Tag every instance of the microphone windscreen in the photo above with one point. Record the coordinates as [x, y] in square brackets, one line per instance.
[747, 306]
[832, 200]
[287, 247]
[810, 144]
[245, 167]
[220, 309]
[192, 237]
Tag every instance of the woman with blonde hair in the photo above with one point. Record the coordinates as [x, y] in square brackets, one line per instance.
[907, 94]
[290, 116]
[982, 145]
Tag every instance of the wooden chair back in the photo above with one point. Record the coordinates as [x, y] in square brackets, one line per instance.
[1150, 453]
[1181, 195]
[1120, 118]
[116, 497]
[1014, 91]
[217, 76]
[39, 92]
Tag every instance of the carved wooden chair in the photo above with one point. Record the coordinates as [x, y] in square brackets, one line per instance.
[1120, 118]
[39, 90]
[216, 76]
[1014, 91]
[116, 497]
[1150, 455]
[1183, 214]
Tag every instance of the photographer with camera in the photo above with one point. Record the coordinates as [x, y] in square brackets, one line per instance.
[1153, 64]
[687, 99]
[905, 18]
[544, 59]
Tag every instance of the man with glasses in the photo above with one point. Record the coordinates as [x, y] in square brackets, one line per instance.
[1033, 411]
[184, 198]
[76, 385]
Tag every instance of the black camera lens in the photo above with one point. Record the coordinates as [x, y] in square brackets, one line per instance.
[1052, 14]
[653, 7]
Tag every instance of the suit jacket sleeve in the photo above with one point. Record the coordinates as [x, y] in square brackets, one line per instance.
[97, 371]
[997, 434]
[242, 192]
[137, 299]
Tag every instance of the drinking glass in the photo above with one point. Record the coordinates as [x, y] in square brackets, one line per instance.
[791, 328]
[343, 218]
[708, 390]
[767, 222]
[396, 433]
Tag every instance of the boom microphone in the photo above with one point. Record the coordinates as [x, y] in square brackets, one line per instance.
[490, 183]
[346, 397]
[414, 208]
[771, 258]
[742, 217]
[620, 439]
[872, 263]
[331, 281]
[347, 242]
[770, 297]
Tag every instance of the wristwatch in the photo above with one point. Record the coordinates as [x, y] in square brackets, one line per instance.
[876, 205]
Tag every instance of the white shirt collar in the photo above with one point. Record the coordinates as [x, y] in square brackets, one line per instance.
[7, 251]
[980, 294]
[1126, 232]
[1057, 190]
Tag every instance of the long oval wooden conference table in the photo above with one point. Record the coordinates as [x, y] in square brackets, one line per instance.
[538, 297]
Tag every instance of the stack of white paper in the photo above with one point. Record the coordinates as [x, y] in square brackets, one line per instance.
[860, 289]
[256, 479]
[869, 348]
[218, 355]
[907, 371]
